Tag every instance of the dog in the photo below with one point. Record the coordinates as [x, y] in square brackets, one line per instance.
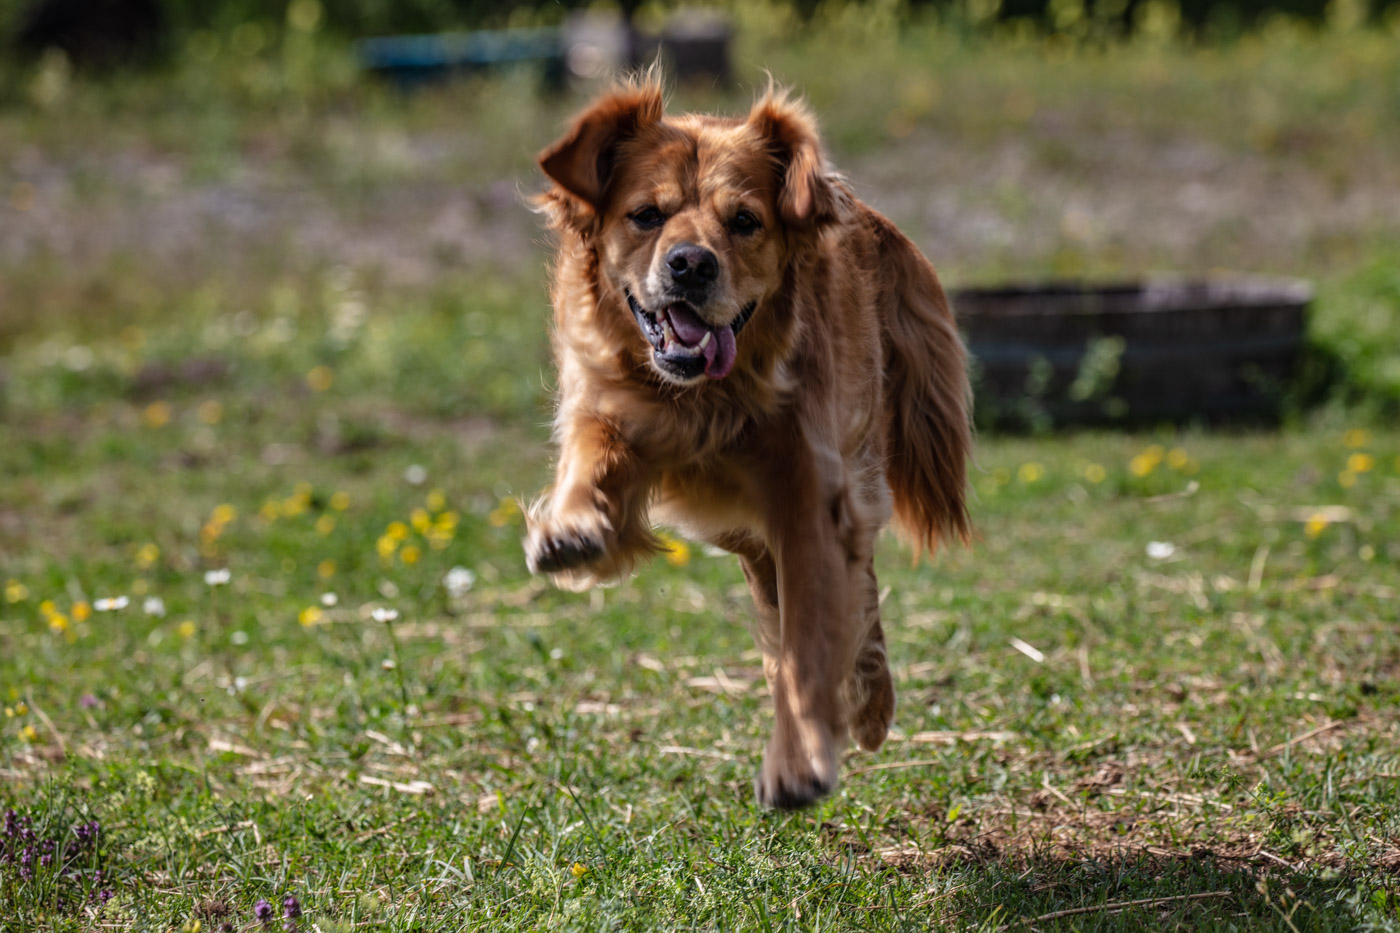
[749, 354]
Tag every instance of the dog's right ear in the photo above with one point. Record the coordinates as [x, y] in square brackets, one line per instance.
[582, 160]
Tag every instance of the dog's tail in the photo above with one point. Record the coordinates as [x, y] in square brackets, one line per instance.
[927, 397]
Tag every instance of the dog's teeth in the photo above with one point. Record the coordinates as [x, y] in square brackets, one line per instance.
[705, 339]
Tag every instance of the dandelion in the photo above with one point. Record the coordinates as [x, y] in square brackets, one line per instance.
[386, 546]
[217, 577]
[397, 531]
[1356, 437]
[329, 600]
[29, 734]
[270, 510]
[410, 554]
[677, 552]
[320, 378]
[146, 556]
[1316, 524]
[15, 591]
[1178, 459]
[458, 582]
[58, 622]
[325, 569]
[211, 411]
[47, 607]
[504, 513]
[82, 611]
[310, 616]
[340, 501]
[421, 521]
[1095, 473]
[154, 606]
[579, 870]
[325, 524]
[1360, 463]
[157, 414]
[436, 501]
[223, 514]
[1030, 473]
[114, 603]
[186, 629]
[1142, 465]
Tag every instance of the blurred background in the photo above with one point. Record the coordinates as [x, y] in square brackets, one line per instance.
[266, 167]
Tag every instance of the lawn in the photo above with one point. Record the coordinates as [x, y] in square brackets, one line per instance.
[274, 373]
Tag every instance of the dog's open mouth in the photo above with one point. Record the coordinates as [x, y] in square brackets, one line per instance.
[686, 345]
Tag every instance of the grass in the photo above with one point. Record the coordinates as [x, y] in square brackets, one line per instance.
[1159, 689]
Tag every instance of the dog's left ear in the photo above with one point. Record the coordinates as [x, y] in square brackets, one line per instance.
[582, 160]
[808, 196]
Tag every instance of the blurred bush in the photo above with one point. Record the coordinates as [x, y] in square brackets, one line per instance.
[111, 32]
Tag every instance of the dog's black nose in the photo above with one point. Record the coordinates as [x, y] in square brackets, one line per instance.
[692, 265]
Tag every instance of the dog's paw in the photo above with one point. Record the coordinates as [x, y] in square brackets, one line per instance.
[555, 550]
[790, 780]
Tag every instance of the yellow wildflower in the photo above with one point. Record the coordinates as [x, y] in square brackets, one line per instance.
[410, 554]
[1030, 473]
[579, 869]
[157, 414]
[436, 501]
[1317, 523]
[1361, 463]
[29, 734]
[223, 514]
[15, 591]
[677, 551]
[1356, 437]
[1143, 464]
[211, 411]
[146, 556]
[340, 501]
[1095, 473]
[82, 611]
[397, 531]
[320, 378]
[325, 569]
[21, 708]
[325, 524]
[1177, 459]
[47, 607]
[270, 510]
[420, 520]
[386, 547]
[186, 629]
[1346, 479]
[504, 513]
[310, 616]
[58, 622]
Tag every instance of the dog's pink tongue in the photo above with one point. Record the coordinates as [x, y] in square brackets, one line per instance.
[690, 330]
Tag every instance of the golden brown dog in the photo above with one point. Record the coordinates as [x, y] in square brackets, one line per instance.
[749, 354]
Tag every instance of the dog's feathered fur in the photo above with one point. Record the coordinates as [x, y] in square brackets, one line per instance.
[842, 397]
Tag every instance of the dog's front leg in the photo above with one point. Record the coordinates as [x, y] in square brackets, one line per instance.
[813, 540]
[591, 526]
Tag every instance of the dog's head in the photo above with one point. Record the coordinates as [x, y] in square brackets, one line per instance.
[695, 219]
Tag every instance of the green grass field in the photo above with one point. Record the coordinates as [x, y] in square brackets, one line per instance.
[271, 321]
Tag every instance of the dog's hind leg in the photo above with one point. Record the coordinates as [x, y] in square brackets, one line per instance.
[870, 696]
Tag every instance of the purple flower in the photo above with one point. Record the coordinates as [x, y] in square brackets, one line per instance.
[88, 701]
[291, 907]
[262, 910]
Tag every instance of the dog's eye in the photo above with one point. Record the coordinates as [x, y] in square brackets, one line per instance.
[744, 223]
[648, 217]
